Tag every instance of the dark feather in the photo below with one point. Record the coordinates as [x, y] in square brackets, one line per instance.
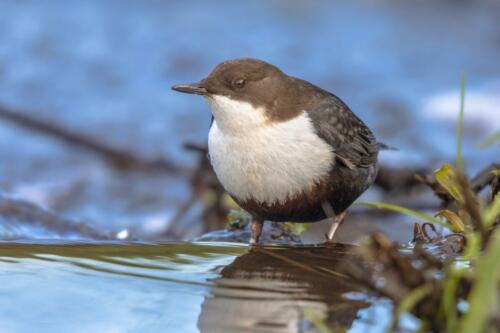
[352, 141]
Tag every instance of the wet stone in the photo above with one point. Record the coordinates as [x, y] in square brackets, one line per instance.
[271, 234]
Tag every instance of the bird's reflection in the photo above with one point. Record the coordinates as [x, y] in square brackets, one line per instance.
[274, 289]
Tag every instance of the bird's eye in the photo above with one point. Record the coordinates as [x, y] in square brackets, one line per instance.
[239, 83]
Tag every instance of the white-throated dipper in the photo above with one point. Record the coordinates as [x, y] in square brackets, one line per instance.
[284, 149]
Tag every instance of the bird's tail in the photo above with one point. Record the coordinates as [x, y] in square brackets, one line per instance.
[383, 146]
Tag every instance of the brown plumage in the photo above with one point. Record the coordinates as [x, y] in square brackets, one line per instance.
[282, 98]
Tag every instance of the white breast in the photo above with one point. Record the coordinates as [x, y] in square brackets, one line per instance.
[261, 160]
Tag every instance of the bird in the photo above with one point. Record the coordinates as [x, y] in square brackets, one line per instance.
[284, 149]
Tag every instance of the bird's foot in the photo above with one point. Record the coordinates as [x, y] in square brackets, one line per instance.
[256, 230]
[336, 222]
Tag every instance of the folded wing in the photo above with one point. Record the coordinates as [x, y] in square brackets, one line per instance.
[352, 141]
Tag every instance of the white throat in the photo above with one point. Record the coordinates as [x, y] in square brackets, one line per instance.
[261, 160]
[234, 116]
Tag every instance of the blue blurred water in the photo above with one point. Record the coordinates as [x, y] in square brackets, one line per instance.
[105, 67]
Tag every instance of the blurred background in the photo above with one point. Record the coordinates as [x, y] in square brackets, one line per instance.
[94, 144]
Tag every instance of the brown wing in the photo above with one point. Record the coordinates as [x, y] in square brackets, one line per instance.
[354, 144]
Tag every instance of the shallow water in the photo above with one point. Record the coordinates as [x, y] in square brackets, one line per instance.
[179, 287]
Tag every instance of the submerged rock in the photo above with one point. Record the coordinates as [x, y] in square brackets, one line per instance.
[272, 233]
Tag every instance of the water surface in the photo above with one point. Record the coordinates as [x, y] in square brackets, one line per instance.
[179, 287]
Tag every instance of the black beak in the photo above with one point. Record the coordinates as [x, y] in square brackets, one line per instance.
[193, 88]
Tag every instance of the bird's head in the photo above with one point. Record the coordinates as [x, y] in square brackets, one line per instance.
[244, 93]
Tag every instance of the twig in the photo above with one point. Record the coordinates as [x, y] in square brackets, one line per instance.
[120, 159]
[403, 180]
[26, 212]
[204, 184]
[183, 209]
[471, 206]
[482, 179]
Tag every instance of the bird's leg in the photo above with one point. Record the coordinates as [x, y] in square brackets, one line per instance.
[336, 220]
[256, 230]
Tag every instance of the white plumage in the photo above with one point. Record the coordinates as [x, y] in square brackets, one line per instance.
[266, 161]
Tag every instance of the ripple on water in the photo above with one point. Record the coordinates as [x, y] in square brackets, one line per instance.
[188, 287]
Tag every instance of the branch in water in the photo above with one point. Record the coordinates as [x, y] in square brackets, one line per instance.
[118, 158]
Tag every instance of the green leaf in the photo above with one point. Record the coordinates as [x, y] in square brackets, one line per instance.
[446, 177]
[403, 210]
[453, 219]
[411, 300]
[472, 246]
[492, 211]
[449, 302]
[483, 298]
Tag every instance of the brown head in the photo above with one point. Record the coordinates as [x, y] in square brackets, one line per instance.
[255, 83]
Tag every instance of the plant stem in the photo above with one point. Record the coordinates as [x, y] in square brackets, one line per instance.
[460, 125]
